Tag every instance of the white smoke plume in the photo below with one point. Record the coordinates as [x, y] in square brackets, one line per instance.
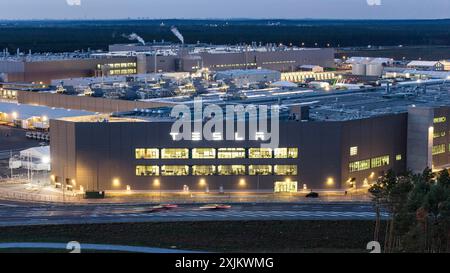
[177, 33]
[73, 2]
[374, 2]
[134, 37]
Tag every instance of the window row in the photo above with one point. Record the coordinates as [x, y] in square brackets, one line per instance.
[204, 170]
[439, 120]
[440, 149]
[213, 153]
[363, 165]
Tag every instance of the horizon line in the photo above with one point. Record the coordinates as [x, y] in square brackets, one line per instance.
[222, 19]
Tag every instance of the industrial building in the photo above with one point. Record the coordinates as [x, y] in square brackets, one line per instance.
[337, 140]
[43, 68]
[426, 65]
[138, 59]
[243, 78]
[32, 116]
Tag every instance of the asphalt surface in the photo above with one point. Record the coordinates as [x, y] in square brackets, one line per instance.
[14, 139]
[17, 214]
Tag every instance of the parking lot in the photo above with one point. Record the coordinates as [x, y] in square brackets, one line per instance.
[12, 140]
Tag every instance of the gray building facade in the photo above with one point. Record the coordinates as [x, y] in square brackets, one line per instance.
[121, 154]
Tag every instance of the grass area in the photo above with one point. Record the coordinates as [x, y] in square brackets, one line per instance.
[236, 236]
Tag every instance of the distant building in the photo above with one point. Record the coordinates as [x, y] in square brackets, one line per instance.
[446, 64]
[45, 68]
[132, 59]
[245, 77]
[426, 65]
[311, 68]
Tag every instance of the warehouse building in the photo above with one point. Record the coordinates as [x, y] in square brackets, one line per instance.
[328, 140]
[132, 59]
[43, 68]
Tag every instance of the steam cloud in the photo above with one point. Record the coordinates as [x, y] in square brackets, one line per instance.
[73, 2]
[374, 2]
[177, 33]
[134, 37]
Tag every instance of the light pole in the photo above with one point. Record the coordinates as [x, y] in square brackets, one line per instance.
[157, 183]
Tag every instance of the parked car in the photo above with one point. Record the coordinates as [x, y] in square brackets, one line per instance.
[312, 195]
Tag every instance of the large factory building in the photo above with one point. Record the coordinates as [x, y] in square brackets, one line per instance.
[346, 140]
[43, 69]
[132, 59]
[218, 58]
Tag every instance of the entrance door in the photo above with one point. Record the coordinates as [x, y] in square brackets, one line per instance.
[286, 186]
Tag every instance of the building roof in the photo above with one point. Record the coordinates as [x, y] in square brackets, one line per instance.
[423, 63]
[240, 72]
[25, 111]
[38, 152]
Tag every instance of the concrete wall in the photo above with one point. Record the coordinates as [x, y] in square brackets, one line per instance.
[101, 105]
[420, 138]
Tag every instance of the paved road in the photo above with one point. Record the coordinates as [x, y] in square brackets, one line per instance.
[97, 247]
[13, 213]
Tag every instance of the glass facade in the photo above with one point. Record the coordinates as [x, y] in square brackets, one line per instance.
[147, 170]
[231, 170]
[228, 153]
[204, 153]
[380, 161]
[438, 149]
[203, 170]
[286, 170]
[175, 153]
[260, 153]
[286, 153]
[260, 169]
[286, 187]
[174, 170]
[216, 153]
[147, 153]
[359, 165]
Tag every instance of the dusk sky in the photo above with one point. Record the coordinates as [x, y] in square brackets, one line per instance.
[292, 9]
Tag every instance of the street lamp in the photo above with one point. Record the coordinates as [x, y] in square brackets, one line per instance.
[203, 183]
[157, 183]
[242, 183]
[116, 182]
[15, 115]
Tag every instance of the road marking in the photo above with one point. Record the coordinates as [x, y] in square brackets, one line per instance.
[8, 205]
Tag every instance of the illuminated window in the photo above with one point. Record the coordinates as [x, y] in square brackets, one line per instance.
[204, 153]
[380, 161]
[359, 165]
[227, 153]
[231, 170]
[260, 153]
[203, 170]
[147, 170]
[260, 170]
[438, 134]
[353, 150]
[285, 186]
[174, 170]
[398, 157]
[147, 153]
[286, 153]
[440, 120]
[438, 149]
[175, 153]
[285, 170]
